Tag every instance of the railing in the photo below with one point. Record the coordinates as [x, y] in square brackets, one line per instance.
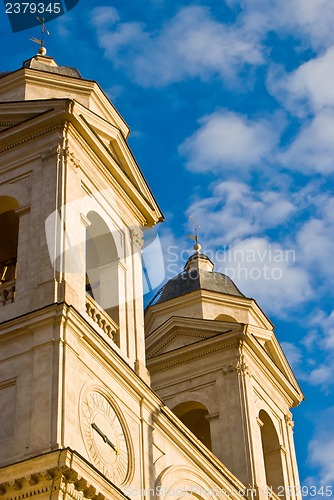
[7, 270]
[7, 281]
[7, 293]
[100, 317]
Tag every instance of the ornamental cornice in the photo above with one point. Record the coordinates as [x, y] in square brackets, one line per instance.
[188, 358]
[31, 137]
[288, 420]
[237, 365]
[171, 338]
[63, 479]
[52, 151]
[243, 367]
[70, 156]
[137, 236]
[108, 177]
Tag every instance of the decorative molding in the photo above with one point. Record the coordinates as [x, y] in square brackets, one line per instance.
[30, 137]
[259, 421]
[213, 416]
[283, 450]
[237, 365]
[62, 479]
[52, 151]
[85, 221]
[122, 266]
[181, 361]
[288, 420]
[230, 368]
[7, 383]
[243, 367]
[137, 237]
[22, 210]
[70, 156]
[7, 293]
[157, 453]
[171, 338]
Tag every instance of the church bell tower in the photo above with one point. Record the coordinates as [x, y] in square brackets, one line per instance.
[215, 360]
[73, 205]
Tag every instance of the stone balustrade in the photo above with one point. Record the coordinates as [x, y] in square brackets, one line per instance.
[100, 317]
[7, 293]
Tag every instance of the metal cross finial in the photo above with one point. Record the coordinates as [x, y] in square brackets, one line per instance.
[197, 246]
[42, 49]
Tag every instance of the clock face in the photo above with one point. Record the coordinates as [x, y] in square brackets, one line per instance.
[104, 437]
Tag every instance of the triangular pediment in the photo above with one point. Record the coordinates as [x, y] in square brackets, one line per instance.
[179, 339]
[112, 139]
[272, 352]
[104, 141]
[14, 114]
[178, 333]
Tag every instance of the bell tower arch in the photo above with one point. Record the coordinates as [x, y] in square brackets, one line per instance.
[193, 414]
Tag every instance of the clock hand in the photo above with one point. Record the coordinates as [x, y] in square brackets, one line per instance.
[105, 438]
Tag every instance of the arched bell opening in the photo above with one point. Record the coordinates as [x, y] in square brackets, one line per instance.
[271, 453]
[194, 415]
[225, 317]
[9, 231]
[102, 273]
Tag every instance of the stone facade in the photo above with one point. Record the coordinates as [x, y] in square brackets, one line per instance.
[78, 417]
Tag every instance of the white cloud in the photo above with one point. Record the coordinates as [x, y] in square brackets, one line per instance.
[191, 44]
[233, 217]
[316, 243]
[322, 375]
[319, 345]
[313, 148]
[261, 269]
[102, 16]
[307, 89]
[308, 93]
[311, 20]
[230, 219]
[293, 354]
[227, 140]
[268, 272]
[326, 322]
[235, 211]
[321, 447]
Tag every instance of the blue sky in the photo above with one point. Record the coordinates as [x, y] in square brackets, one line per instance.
[231, 106]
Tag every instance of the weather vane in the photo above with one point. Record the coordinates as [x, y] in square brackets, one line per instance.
[197, 246]
[42, 49]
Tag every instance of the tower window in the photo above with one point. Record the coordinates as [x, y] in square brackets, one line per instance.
[226, 317]
[102, 280]
[9, 230]
[193, 414]
[271, 453]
